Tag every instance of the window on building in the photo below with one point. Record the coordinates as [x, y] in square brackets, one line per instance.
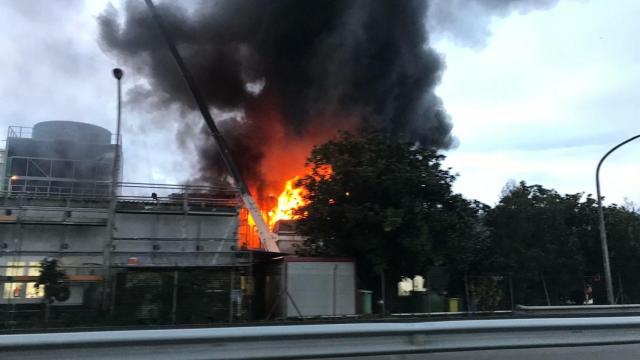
[18, 290]
[32, 292]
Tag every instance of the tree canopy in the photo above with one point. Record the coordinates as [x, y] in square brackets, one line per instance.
[389, 204]
[541, 235]
[386, 203]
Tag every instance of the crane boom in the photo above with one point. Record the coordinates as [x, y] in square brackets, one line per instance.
[267, 238]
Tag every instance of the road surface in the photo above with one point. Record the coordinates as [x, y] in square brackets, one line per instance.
[610, 352]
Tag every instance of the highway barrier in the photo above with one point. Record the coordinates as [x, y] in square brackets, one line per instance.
[323, 340]
[578, 310]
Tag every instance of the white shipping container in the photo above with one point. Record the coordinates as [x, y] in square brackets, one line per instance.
[316, 286]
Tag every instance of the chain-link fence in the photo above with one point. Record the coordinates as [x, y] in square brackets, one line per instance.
[500, 293]
[488, 293]
[183, 296]
[74, 301]
[162, 296]
[229, 294]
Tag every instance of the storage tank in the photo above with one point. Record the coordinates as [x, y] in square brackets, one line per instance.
[71, 131]
[405, 285]
[60, 157]
[418, 284]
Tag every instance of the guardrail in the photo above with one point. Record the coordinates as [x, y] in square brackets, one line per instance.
[320, 341]
[576, 310]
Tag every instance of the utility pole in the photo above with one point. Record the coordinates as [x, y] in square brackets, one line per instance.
[603, 231]
[113, 201]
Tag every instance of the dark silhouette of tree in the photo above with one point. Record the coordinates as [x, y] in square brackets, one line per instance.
[52, 278]
[551, 241]
[388, 204]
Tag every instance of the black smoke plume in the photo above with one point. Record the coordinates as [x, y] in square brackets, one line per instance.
[313, 63]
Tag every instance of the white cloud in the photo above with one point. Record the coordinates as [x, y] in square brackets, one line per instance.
[55, 70]
[550, 93]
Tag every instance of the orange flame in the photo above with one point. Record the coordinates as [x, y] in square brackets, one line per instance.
[290, 199]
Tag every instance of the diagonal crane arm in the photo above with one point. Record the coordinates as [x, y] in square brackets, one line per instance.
[267, 238]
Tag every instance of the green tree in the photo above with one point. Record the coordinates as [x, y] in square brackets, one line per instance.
[386, 203]
[552, 241]
[623, 234]
[52, 278]
[533, 233]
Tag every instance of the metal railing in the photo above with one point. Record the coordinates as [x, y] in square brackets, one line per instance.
[153, 196]
[19, 132]
[58, 187]
[26, 132]
[323, 341]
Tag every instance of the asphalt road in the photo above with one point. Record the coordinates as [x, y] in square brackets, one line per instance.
[611, 352]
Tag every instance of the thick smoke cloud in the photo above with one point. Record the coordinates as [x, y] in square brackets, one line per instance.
[294, 65]
[293, 68]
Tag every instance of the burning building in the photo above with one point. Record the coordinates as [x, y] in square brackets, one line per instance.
[281, 77]
[175, 254]
[56, 203]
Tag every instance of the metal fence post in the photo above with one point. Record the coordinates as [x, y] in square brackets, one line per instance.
[513, 306]
[112, 305]
[174, 300]
[231, 278]
[383, 293]
[466, 293]
[335, 274]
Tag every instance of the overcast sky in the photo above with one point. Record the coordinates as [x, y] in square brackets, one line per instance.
[536, 96]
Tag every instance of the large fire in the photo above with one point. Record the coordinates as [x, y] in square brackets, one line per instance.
[291, 198]
[282, 164]
[284, 207]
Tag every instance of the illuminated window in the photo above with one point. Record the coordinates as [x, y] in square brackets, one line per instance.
[16, 290]
[33, 292]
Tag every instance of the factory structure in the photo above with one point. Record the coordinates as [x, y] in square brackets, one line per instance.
[140, 252]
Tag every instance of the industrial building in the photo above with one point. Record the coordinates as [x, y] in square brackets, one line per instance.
[149, 253]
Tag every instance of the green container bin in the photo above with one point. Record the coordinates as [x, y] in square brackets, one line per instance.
[437, 302]
[418, 303]
[454, 304]
[364, 302]
[427, 302]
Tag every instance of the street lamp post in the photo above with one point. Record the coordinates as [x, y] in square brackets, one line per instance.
[115, 174]
[117, 73]
[603, 231]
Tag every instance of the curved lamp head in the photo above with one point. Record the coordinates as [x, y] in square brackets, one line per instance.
[117, 73]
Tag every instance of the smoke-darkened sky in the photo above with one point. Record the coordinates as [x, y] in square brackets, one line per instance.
[534, 93]
[320, 64]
